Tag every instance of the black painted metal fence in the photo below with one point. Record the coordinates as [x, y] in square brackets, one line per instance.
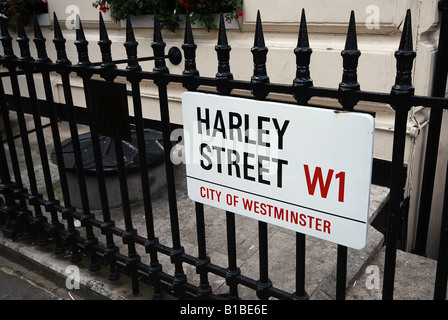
[22, 207]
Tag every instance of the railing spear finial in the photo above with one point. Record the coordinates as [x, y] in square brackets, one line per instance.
[82, 44]
[158, 47]
[59, 42]
[105, 46]
[39, 42]
[350, 55]
[106, 54]
[303, 52]
[6, 40]
[131, 47]
[189, 48]
[23, 41]
[405, 57]
[259, 52]
[223, 52]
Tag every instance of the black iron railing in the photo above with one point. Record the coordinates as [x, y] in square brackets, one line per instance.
[22, 207]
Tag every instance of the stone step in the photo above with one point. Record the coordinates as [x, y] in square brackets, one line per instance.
[357, 261]
[414, 278]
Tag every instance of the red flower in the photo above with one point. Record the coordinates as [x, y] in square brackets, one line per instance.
[187, 5]
[103, 8]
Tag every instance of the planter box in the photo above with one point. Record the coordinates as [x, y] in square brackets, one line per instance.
[147, 21]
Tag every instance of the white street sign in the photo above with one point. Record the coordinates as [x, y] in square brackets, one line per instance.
[301, 168]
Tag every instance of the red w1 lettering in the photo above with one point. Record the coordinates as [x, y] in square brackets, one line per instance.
[324, 186]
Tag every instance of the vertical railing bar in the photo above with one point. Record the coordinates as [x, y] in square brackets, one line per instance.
[130, 230]
[258, 81]
[400, 102]
[190, 71]
[432, 144]
[6, 183]
[23, 214]
[155, 266]
[16, 219]
[39, 217]
[264, 283]
[62, 61]
[12, 226]
[233, 269]
[300, 293]
[179, 277]
[111, 248]
[10, 138]
[341, 272]
[83, 57]
[204, 289]
[133, 66]
[28, 67]
[301, 83]
[133, 258]
[223, 75]
[42, 59]
[348, 99]
[395, 199]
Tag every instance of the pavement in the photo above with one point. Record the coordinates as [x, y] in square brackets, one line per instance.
[21, 283]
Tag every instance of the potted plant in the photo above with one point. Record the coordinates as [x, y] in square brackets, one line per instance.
[170, 12]
[11, 9]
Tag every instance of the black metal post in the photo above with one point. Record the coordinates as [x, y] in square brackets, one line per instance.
[16, 218]
[62, 62]
[232, 271]
[27, 66]
[38, 220]
[300, 293]
[9, 207]
[85, 65]
[158, 47]
[43, 68]
[347, 98]
[400, 94]
[432, 144]
[301, 83]
[130, 232]
[204, 289]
